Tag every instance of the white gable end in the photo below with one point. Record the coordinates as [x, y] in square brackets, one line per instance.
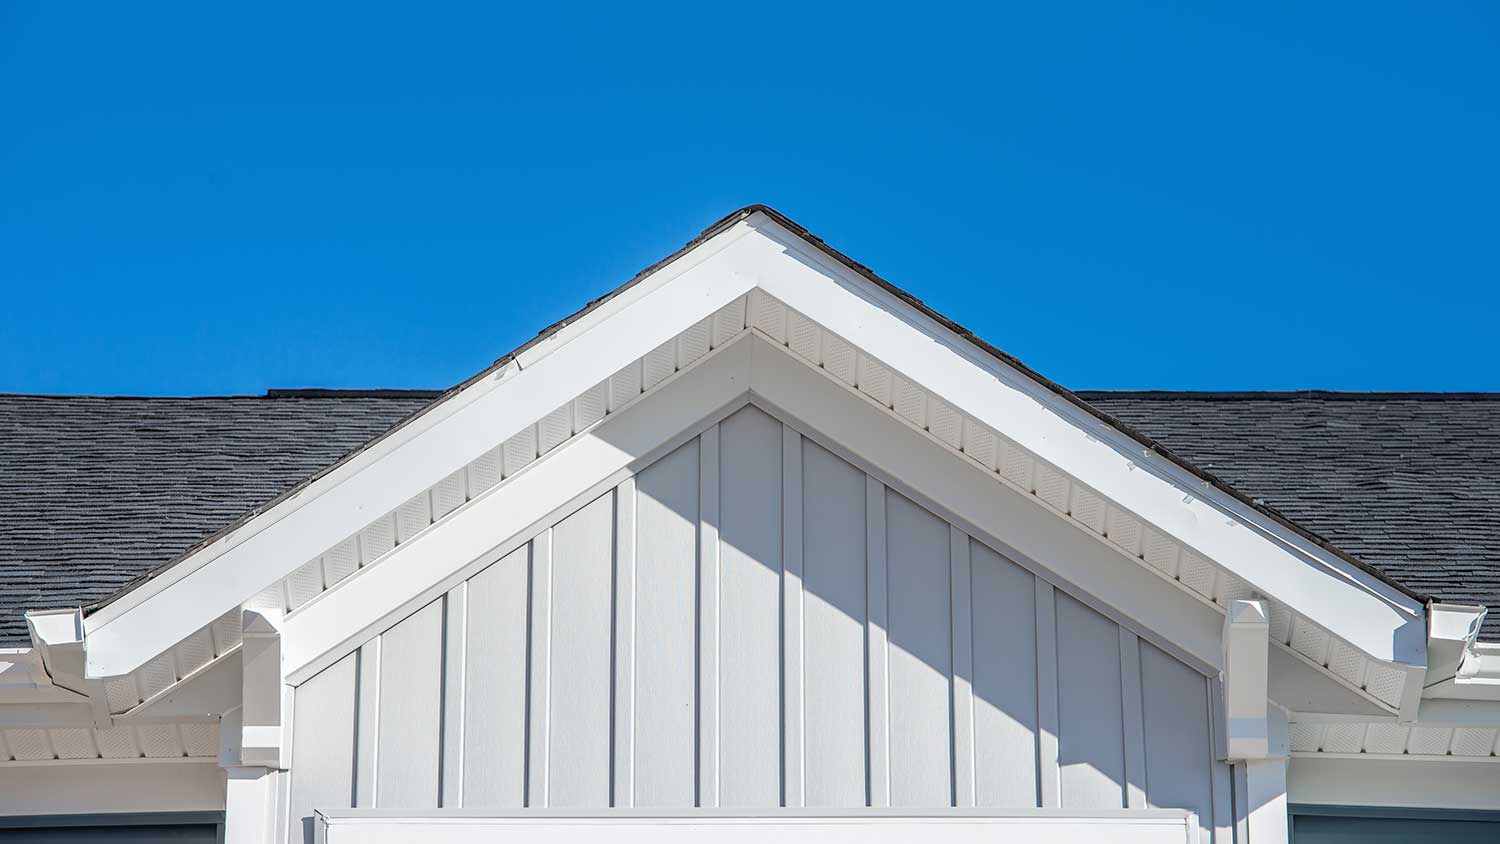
[861, 324]
[751, 621]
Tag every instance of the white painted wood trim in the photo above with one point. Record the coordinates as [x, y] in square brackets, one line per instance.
[708, 611]
[1134, 721]
[455, 638]
[1049, 776]
[428, 564]
[1265, 800]
[1039, 827]
[367, 736]
[1374, 617]
[1220, 779]
[793, 703]
[878, 728]
[961, 583]
[625, 587]
[189, 595]
[538, 743]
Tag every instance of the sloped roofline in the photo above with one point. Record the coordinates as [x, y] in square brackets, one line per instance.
[716, 228]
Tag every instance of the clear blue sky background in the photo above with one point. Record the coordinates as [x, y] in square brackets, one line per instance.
[220, 200]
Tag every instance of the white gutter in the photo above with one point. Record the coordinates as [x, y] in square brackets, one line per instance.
[1458, 666]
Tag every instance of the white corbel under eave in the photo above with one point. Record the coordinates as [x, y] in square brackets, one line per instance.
[1256, 737]
[1247, 645]
[262, 734]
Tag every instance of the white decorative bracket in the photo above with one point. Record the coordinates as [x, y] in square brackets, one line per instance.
[262, 693]
[252, 747]
[1246, 675]
[1255, 732]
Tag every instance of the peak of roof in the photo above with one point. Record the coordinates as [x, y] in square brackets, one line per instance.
[1287, 395]
[272, 393]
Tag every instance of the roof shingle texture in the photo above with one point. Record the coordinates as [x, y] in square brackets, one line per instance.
[95, 492]
[1407, 482]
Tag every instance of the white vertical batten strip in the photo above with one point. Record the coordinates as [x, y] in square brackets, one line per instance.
[367, 742]
[963, 669]
[1220, 775]
[1048, 774]
[793, 758]
[876, 607]
[708, 618]
[455, 635]
[624, 752]
[539, 735]
[1133, 720]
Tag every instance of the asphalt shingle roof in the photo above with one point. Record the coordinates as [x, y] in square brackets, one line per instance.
[95, 492]
[1406, 482]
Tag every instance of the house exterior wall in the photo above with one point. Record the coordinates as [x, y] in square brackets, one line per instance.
[753, 622]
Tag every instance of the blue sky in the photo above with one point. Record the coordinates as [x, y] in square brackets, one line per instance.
[1261, 196]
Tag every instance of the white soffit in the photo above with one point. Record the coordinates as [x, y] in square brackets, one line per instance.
[876, 344]
[81, 743]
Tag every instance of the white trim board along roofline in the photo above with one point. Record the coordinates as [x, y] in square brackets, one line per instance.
[756, 251]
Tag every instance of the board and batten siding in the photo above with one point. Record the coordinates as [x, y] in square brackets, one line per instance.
[753, 622]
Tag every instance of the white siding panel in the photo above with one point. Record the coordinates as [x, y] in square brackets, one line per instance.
[833, 535]
[1091, 741]
[665, 586]
[917, 548]
[1005, 694]
[323, 746]
[793, 789]
[753, 621]
[579, 719]
[495, 685]
[411, 692]
[750, 611]
[877, 648]
[708, 617]
[1179, 750]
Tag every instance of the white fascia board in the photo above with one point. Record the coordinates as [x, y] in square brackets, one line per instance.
[1450, 784]
[1353, 604]
[23, 679]
[1478, 676]
[46, 714]
[1459, 713]
[190, 595]
[430, 564]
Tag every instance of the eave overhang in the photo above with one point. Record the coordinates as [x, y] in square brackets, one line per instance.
[758, 255]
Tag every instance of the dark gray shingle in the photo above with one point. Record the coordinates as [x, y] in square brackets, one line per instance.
[1407, 482]
[95, 492]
